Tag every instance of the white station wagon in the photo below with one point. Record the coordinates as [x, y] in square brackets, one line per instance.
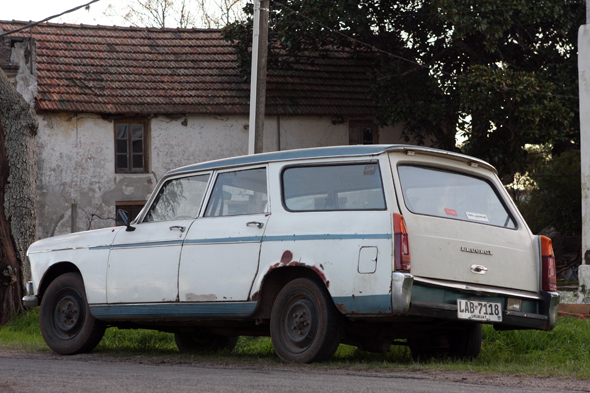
[364, 245]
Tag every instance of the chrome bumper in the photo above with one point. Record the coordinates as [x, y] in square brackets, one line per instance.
[30, 300]
[401, 292]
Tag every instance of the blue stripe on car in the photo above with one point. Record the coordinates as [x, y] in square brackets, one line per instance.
[173, 310]
[253, 239]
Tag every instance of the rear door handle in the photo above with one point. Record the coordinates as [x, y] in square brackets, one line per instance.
[256, 223]
[181, 229]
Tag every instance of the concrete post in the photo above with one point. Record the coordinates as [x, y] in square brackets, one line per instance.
[584, 85]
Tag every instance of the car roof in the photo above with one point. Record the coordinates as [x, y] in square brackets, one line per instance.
[319, 152]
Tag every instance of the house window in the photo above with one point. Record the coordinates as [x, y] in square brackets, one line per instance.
[363, 133]
[131, 207]
[130, 147]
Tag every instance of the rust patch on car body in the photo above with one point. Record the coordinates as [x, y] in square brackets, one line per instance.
[287, 257]
[287, 260]
[341, 308]
[256, 296]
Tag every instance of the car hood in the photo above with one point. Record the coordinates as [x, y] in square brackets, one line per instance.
[86, 239]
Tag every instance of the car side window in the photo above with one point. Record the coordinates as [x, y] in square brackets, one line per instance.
[238, 192]
[333, 187]
[179, 199]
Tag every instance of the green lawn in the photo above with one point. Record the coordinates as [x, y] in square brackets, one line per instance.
[562, 351]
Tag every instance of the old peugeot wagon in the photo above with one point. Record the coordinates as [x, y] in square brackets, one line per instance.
[364, 245]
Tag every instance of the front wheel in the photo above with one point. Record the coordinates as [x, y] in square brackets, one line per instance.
[66, 323]
[305, 326]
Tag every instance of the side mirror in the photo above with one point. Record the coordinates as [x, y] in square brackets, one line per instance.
[123, 218]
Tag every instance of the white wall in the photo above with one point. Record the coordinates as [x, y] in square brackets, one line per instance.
[76, 158]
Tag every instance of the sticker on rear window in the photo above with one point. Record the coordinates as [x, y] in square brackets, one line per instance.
[451, 212]
[477, 217]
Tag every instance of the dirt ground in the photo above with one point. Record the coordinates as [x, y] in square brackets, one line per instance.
[549, 383]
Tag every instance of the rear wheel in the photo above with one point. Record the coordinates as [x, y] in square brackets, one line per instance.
[466, 343]
[461, 343]
[203, 342]
[305, 326]
[66, 323]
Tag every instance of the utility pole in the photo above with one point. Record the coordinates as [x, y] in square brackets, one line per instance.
[584, 89]
[258, 77]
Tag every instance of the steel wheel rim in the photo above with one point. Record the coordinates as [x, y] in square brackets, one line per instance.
[68, 314]
[299, 323]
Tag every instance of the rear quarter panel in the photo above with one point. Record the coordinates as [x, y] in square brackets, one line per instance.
[329, 242]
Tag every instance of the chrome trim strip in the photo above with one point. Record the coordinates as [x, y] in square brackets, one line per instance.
[65, 249]
[479, 288]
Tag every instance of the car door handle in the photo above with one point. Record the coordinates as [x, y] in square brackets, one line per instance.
[256, 223]
[181, 229]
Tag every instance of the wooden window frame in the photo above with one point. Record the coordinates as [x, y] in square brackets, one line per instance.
[129, 141]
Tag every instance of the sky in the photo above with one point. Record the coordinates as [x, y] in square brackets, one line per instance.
[35, 10]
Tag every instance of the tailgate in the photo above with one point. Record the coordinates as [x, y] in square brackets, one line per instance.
[462, 226]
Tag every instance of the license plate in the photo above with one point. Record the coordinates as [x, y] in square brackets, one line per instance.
[479, 311]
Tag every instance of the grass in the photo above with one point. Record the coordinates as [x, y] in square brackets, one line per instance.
[563, 351]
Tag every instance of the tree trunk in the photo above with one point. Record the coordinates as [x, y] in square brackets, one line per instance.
[18, 127]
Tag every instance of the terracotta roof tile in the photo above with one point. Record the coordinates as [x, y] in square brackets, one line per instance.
[122, 70]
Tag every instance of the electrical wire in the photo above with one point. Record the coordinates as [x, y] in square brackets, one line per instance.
[46, 19]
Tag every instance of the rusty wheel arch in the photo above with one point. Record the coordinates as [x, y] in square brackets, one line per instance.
[276, 279]
[52, 273]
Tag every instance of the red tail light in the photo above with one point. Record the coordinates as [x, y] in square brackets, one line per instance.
[401, 244]
[549, 281]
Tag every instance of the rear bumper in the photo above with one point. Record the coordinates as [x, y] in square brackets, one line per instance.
[440, 301]
[511, 320]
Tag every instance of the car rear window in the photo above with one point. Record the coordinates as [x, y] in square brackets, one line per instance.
[333, 187]
[440, 193]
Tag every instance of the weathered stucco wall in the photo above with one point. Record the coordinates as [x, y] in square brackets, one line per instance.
[75, 163]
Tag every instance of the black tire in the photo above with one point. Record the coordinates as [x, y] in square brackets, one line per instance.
[466, 343]
[462, 343]
[66, 323]
[305, 326]
[424, 349]
[205, 342]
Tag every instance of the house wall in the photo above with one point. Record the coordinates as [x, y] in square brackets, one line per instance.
[76, 158]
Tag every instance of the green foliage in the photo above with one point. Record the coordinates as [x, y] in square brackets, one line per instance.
[552, 198]
[502, 72]
[562, 351]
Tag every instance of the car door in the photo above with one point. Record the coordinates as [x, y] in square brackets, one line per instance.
[143, 263]
[220, 255]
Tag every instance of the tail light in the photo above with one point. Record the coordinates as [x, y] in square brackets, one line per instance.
[401, 244]
[549, 277]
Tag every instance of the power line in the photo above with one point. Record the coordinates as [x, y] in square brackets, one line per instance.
[370, 46]
[46, 19]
